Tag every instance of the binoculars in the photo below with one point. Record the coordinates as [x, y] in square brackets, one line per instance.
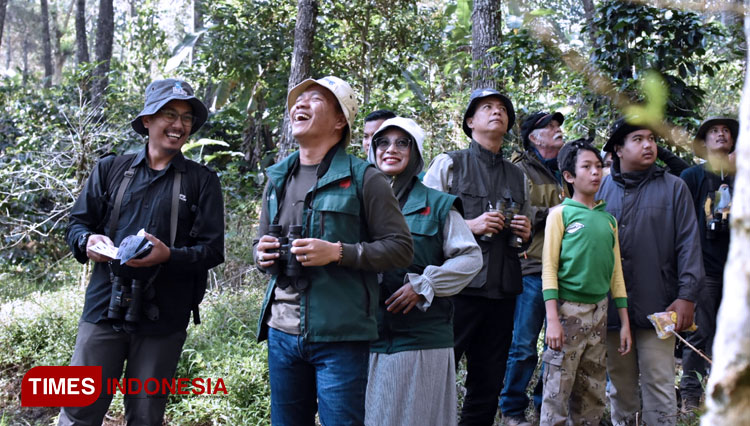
[508, 210]
[129, 300]
[286, 266]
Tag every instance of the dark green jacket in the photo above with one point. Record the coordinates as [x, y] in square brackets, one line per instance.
[425, 211]
[340, 303]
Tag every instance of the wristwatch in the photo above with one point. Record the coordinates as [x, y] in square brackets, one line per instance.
[83, 240]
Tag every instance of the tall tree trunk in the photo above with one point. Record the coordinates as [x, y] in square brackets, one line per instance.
[58, 31]
[26, 45]
[728, 395]
[82, 45]
[3, 7]
[105, 30]
[46, 45]
[485, 33]
[588, 11]
[304, 34]
[197, 21]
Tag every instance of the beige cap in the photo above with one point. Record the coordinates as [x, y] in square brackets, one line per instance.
[340, 89]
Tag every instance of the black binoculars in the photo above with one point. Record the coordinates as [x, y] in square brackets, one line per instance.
[508, 209]
[286, 266]
[129, 301]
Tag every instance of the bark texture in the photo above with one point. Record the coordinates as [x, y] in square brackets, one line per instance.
[82, 45]
[105, 31]
[3, 7]
[46, 45]
[728, 394]
[485, 34]
[304, 34]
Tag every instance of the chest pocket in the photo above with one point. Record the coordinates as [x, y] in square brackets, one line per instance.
[336, 216]
[474, 198]
[428, 246]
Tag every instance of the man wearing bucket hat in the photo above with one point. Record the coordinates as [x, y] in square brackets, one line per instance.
[658, 232]
[139, 311]
[711, 185]
[496, 207]
[542, 139]
[344, 226]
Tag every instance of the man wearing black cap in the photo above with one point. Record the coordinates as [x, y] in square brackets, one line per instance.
[712, 186]
[179, 204]
[542, 139]
[494, 196]
[663, 269]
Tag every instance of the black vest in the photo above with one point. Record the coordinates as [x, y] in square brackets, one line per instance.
[481, 177]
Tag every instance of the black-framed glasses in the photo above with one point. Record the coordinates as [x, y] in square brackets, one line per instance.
[170, 116]
[382, 144]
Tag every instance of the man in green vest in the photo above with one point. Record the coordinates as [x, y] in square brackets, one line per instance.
[329, 223]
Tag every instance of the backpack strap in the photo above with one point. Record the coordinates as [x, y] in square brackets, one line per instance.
[114, 217]
[175, 207]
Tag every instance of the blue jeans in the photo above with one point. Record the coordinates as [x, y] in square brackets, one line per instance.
[330, 378]
[522, 359]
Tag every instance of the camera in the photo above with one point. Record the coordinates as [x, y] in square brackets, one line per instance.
[286, 266]
[716, 227]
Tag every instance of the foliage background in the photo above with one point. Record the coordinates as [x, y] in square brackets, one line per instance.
[412, 57]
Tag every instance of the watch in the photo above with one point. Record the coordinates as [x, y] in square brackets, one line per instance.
[83, 240]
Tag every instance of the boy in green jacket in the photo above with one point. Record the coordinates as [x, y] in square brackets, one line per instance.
[580, 265]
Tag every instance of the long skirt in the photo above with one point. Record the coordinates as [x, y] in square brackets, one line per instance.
[411, 388]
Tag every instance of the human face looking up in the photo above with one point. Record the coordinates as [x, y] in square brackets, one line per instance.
[638, 152]
[719, 140]
[548, 140]
[588, 176]
[166, 136]
[392, 151]
[490, 119]
[316, 116]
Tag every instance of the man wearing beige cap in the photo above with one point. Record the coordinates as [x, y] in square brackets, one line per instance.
[329, 223]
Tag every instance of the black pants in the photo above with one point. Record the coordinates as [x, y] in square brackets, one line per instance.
[706, 309]
[483, 330]
[147, 356]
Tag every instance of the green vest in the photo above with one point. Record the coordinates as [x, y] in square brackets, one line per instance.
[425, 212]
[340, 303]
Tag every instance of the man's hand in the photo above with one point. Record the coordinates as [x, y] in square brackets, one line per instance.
[521, 226]
[93, 239]
[159, 254]
[487, 223]
[315, 252]
[403, 299]
[265, 259]
[626, 340]
[685, 310]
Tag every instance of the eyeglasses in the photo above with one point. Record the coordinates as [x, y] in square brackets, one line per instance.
[170, 116]
[383, 143]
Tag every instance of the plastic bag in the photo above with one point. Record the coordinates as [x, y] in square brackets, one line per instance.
[665, 323]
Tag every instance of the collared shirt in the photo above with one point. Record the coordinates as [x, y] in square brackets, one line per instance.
[146, 204]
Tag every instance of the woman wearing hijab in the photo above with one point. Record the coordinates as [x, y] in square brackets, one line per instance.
[411, 378]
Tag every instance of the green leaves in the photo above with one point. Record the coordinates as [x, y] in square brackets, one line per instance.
[651, 113]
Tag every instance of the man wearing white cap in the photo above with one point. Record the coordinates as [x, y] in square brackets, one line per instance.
[344, 225]
[139, 311]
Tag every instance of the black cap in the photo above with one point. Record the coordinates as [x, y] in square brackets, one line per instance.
[620, 129]
[160, 92]
[479, 94]
[538, 120]
[699, 147]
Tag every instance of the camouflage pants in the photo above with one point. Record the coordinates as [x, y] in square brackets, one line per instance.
[575, 378]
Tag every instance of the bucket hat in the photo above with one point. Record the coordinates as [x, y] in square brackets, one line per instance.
[159, 92]
[340, 89]
[699, 143]
[479, 94]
